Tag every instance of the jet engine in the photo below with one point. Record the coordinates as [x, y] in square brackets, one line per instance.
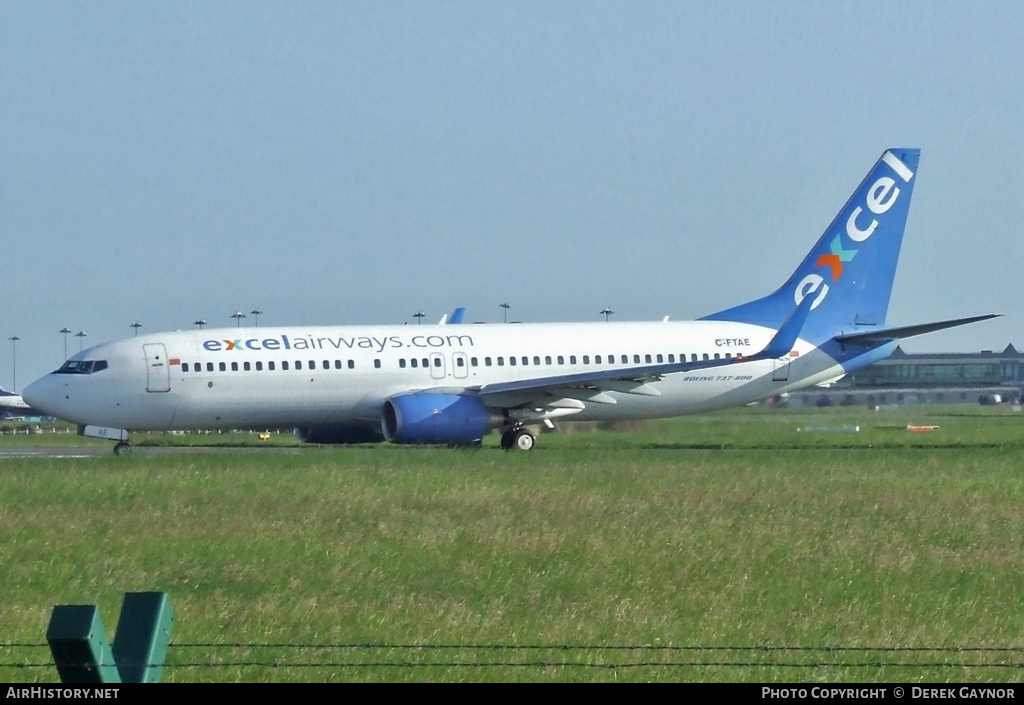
[431, 417]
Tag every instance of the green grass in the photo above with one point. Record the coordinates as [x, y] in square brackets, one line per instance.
[727, 530]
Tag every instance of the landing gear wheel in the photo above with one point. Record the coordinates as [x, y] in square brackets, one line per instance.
[523, 440]
[123, 448]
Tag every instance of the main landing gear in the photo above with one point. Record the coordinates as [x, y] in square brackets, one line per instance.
[123, 448]
[518, 438]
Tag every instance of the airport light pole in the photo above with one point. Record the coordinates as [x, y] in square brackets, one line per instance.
[201, 322]
[256, 314]
[607, 312]
[238, 316]
[81, 339]
[505, 306]
[14, 362]
[65, 330]
[419, 317]
[136, 326]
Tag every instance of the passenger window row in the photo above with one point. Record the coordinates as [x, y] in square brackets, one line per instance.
[271, 365]
[636, 359]
[86, 367]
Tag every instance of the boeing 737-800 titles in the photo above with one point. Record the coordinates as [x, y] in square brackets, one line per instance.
[454, 384]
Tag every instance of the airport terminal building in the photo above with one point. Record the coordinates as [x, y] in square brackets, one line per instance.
[930, 378]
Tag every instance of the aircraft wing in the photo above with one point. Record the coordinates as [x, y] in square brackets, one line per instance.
[591, 386]
[612, 379]
[571, 390]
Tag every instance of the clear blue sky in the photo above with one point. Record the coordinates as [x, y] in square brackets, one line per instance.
[348, 162]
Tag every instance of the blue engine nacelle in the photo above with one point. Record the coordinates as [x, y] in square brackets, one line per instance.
[430, 417]
[339, 433]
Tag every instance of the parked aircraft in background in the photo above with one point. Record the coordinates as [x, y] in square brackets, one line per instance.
[454, 319]
[457, 316]
[12, 404]
[453, 385]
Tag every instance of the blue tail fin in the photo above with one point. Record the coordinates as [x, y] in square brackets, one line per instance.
[849, 272]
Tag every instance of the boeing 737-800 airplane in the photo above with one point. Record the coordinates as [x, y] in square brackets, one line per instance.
[453, 385]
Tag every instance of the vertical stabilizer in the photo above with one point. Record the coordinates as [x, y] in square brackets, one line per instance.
[850, 270]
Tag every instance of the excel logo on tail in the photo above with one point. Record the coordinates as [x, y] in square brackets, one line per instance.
[877, 199]
[836, 259]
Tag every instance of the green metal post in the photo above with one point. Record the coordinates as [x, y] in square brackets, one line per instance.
[143, 633]
[79, 645]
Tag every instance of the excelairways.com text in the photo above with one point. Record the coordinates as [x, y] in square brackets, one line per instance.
[284, 342]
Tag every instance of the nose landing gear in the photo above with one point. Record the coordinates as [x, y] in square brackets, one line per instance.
[111, 434]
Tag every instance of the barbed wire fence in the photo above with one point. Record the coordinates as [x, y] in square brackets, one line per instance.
[542, 656]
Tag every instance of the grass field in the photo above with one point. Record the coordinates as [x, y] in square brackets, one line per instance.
[727, 547]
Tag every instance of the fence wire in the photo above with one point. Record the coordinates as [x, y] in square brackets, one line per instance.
[583, 656]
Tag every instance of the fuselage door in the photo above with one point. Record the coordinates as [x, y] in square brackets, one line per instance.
[158, 371]
[460, 365]
[437, 366]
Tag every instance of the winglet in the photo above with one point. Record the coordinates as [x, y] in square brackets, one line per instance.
[782, 342]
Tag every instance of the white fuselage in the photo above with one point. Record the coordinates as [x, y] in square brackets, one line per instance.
[308, 376]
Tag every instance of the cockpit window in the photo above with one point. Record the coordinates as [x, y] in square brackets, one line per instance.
[81, 367]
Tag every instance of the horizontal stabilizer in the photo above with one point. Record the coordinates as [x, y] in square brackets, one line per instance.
[873, 337]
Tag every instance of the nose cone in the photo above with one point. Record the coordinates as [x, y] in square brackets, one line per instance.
[42, 395]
